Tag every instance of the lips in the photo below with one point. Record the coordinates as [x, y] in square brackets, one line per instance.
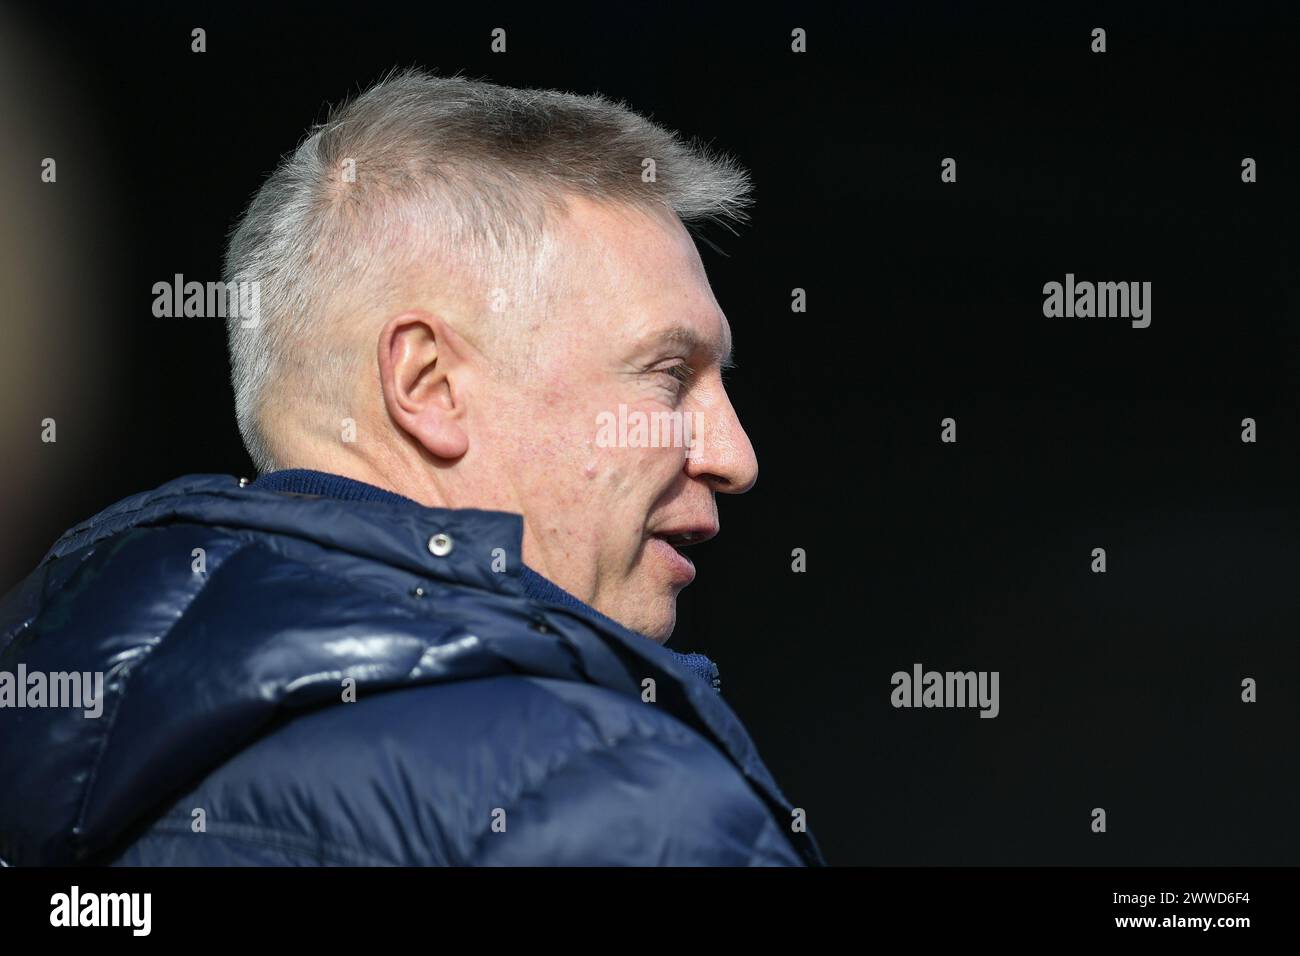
[669, 543]
[685, 537]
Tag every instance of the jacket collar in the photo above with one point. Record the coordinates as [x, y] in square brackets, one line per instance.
[305, 481]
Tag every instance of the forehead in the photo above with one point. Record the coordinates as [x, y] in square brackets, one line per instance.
[632, 277]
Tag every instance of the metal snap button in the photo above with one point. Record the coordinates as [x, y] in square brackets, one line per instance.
[440, 545]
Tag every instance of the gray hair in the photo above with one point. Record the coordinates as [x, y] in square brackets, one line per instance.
[418, 167]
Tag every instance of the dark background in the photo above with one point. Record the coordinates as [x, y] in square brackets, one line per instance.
[1118, 690]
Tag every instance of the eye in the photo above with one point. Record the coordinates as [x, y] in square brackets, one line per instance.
[681, 374]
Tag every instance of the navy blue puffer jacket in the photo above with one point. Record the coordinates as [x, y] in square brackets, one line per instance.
[483, 725]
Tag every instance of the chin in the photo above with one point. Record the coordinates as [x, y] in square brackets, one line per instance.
[662, 635]
[648, 606]
[659, 631]
[657, 627]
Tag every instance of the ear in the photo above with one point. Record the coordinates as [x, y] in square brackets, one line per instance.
[420, 370]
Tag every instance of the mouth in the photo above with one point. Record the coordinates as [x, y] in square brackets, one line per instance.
[669, 545]
[685, 535]
[684, 539]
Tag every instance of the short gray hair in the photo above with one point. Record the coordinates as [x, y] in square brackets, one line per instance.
[420, 164]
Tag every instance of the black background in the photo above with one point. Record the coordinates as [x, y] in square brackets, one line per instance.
[1118, 690]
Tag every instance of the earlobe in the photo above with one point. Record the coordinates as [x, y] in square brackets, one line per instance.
[419, 372]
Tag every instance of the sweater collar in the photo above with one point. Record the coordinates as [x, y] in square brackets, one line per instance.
[304, 481]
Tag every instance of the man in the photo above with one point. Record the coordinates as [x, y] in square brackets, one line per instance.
[431, 632]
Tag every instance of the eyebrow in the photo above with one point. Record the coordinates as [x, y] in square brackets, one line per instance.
[689, 339]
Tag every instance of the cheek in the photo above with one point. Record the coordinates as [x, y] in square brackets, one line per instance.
[605, 472]
[620, 463]
[619, 481]
[658, 466]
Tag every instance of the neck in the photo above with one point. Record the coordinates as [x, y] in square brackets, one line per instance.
[404, 473]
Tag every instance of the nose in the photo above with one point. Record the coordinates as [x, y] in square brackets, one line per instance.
[723, 456]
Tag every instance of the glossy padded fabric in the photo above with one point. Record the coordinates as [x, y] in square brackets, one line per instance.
[487, 728]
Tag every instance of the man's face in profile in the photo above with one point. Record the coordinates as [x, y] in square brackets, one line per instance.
[636, 337]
